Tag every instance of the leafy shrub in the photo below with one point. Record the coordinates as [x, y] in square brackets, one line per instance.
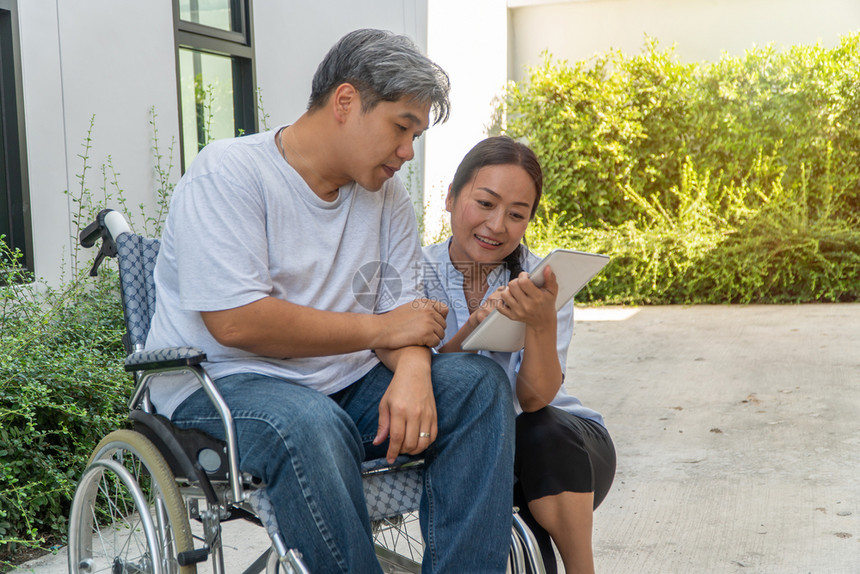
[711, 248]
[62, 385]
[61, 389]
[789, 252]
[736, 181]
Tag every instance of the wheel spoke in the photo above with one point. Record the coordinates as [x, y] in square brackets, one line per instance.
[399, 545]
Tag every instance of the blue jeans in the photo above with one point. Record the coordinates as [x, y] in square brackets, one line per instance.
[308, 449]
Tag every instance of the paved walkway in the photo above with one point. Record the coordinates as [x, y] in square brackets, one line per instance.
[738, 438]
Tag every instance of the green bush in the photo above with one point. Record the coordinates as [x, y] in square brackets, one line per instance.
[736, 181]
[61, 389]
[787, 251]
[62, 385]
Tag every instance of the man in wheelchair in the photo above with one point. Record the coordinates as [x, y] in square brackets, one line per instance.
[292, 257]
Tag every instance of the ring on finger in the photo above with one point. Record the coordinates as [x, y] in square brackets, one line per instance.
[424, 435]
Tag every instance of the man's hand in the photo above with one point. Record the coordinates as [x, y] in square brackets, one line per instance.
[419, 323]
[407, 411]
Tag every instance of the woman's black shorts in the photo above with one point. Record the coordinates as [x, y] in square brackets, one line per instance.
[560, 452]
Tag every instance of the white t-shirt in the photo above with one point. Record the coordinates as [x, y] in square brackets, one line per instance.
[244, 225]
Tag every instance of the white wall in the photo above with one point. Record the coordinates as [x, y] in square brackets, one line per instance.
[43, 122]
[703, 29]
[112, 59]
[469, 40]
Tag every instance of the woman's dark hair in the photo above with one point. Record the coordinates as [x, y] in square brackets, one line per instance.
[500, 150]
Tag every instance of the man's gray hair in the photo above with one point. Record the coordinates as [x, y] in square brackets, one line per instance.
[382, 66]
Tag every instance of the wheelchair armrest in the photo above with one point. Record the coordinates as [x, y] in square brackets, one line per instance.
[167, 358]
[153, 363]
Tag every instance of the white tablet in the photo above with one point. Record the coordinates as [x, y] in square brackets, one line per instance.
[573, 269]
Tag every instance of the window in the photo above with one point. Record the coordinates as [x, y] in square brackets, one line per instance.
[14, 198]
[216, 72]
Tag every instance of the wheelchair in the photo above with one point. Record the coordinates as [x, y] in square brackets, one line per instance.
[145, 486]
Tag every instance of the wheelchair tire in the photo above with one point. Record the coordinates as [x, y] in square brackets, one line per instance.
[127, 509]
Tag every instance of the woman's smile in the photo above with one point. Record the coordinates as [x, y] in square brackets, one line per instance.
[486, 242]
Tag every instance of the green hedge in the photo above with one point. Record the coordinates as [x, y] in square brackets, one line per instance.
[736, 181]
[62, 387]
[62, 382]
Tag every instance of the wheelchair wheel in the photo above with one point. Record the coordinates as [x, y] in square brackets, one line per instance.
[399, 545]
[400, 548]
[127, 514]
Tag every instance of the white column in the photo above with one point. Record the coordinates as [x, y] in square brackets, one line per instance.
[469, 39]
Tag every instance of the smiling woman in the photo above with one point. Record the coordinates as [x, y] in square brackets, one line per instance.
[493, 216]
[497, 186]
[565, 459]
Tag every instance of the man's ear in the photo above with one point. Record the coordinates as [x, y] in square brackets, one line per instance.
[449, 200]
[344, 101]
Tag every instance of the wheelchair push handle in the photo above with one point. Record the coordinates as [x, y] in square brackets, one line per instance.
[109, 225]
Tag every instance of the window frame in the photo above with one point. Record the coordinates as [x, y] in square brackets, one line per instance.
[238, 46]
[15, 190]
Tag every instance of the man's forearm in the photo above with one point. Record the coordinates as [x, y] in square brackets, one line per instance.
[275, 328]
[415, 356]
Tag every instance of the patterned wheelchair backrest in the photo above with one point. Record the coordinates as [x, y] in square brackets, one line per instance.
[136, 256]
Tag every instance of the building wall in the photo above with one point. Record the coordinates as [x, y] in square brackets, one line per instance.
[702, 29]
[116, 61]
[102, 58]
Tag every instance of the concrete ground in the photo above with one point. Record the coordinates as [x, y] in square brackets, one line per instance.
[738, 437]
